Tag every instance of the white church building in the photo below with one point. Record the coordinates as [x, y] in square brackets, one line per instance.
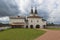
[32, 21]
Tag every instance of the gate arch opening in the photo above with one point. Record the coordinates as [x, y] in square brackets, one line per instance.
[31, 26]
[37, 26]
[27, 26]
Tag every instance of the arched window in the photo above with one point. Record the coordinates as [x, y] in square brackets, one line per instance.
[37, 26]
[31, 26]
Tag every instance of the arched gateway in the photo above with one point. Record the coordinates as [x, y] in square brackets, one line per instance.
[31, 26]
[37, 26]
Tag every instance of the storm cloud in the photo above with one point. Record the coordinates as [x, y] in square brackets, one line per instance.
[8, 8]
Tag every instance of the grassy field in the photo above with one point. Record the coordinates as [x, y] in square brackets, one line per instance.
[53, 28]
[20, 34]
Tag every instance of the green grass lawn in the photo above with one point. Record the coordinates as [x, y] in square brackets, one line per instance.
[53, 28]
[20, 34]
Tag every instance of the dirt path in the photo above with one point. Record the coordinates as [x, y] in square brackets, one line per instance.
[50, 35]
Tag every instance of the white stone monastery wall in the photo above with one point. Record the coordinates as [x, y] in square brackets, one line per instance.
[36, 21]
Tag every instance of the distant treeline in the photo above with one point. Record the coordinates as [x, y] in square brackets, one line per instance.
[1, 24]
[52, 24]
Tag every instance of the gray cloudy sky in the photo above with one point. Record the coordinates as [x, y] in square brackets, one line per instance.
[49, 9]
[8, 7]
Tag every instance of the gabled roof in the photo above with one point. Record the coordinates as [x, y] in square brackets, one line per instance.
[16, 17]
[34, 17]
[18, 23]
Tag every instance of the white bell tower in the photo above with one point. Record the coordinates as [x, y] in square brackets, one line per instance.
[33, 11]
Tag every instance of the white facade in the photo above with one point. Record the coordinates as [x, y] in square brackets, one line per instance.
[31, 21]
[35, 22]
[16, 20]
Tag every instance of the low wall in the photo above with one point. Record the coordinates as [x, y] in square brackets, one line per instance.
[52, 26]
[3, 28]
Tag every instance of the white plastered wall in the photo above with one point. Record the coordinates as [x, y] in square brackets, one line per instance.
[17, 20]
[34, 22]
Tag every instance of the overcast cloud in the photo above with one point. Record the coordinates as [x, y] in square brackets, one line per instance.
[49, 9]
[8, 7]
